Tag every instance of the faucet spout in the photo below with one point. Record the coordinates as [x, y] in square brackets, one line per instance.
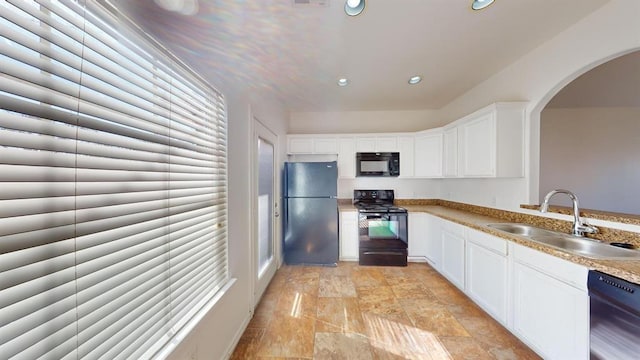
[579, 228]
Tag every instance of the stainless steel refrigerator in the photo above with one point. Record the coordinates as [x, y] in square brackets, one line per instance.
[311, 213]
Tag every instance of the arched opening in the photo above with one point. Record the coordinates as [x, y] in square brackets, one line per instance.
[588, 136]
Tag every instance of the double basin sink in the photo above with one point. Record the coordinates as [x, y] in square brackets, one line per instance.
[582, 246]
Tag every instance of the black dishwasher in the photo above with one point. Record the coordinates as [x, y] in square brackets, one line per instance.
[615, 317]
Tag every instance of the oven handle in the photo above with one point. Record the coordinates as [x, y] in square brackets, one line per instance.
[374, 215]
[383, 253]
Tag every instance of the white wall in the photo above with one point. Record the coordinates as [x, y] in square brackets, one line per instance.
[403, 188]
[611, 31]
[362, 121]
[215, 336]
[601, 167]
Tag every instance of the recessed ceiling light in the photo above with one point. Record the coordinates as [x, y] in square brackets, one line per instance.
[481, 4]
[415, 79]
[354, 7]
[343, 82]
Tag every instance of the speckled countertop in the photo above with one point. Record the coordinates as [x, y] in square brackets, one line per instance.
[625, 269]
[478, 217]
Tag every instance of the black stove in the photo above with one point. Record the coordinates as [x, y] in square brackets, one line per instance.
[382, 228]
[375, 201]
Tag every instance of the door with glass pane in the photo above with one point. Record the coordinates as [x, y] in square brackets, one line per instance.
[265, 208]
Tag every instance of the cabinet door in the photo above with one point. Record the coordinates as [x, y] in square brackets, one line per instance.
[450, 155]
[325, 146]
[300, 145]
[349, 236]
[346, 158]
[386, 144]
[478, 146]
[453, 257]
[417, 235]
[486, 279]
[365, 144]
[433, 250]
[428, 155]
[550, 316]
[406, 149]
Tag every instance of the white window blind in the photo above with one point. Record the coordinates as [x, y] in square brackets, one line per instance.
[112, 187]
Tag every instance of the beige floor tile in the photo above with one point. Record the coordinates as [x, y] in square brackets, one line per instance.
[411, 290]
[368, 276]
[465, 348]
[394, 312]
[398, 340]
[340, 346]
[339, 315]
[336, 286]
[288, 337]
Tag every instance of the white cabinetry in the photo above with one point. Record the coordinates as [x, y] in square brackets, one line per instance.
[487, 273]
[406, 150]
[346, 158]
[550, 304]
[418, 233]
[377, 144]
[491, 141]
[349, 235]
[433, 251]
[428, 154]
[450, 152]
[311, 144]
[453, 257]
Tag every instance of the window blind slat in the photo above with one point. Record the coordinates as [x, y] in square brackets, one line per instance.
[112, 183]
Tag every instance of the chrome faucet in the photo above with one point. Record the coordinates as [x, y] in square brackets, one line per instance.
[579, 228]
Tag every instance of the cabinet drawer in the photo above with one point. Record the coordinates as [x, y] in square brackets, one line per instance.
[565, 271]
[487, 241]
[453, 228]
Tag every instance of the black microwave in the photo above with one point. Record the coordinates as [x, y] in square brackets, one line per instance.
[377, 164]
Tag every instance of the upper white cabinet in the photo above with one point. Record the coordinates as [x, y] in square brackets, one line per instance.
[346, 158]
[428, 154]
[377, 144]
[407, 158]
[306, 144]
[491, 141]
[450, 152]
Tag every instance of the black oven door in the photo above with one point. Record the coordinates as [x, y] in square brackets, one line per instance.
[383, 226]
[383, 239]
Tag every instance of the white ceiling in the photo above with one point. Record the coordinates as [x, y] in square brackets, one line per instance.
[300, 51]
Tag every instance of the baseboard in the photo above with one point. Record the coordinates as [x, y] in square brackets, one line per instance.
[238, 335]
[419, 259]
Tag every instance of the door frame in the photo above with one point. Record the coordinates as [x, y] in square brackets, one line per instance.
[259, 285]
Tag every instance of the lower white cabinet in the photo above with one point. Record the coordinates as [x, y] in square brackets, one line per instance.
[349, 235]
[418, 227]
[433, 246]
[487, 270]
[540, 298]
[453, 253]
[549, 314]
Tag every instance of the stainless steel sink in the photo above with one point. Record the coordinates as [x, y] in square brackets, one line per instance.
[590, 248]
[520, 229]
[582, 246]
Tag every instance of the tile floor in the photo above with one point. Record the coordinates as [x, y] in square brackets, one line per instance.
[369, 312]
